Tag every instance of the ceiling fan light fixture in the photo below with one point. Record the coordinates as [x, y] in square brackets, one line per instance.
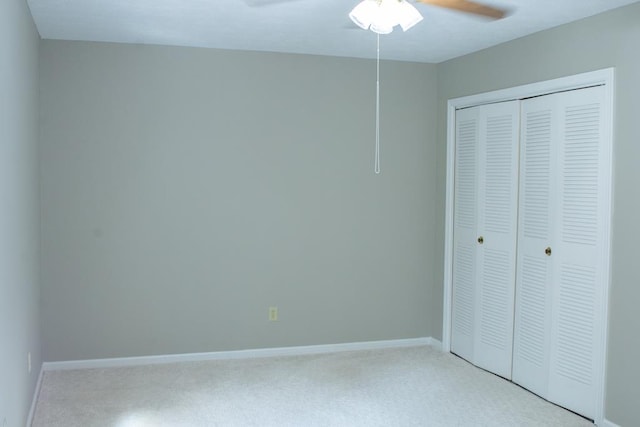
[380, 16]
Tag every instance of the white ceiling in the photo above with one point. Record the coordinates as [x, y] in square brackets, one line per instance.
[318, 27]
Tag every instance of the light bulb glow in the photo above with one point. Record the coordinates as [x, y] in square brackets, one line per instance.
[380, 16]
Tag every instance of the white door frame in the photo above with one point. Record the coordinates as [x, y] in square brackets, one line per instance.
[601, 77]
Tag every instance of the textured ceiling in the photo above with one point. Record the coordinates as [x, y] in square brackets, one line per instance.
[319, 27]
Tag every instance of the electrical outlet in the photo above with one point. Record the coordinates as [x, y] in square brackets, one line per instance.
[273, 314]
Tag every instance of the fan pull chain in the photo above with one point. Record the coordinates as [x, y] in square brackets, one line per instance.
[377, 159]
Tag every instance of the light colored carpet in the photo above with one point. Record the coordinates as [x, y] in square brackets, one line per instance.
[416, 386]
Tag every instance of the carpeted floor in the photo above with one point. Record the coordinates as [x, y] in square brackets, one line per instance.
[415, 386]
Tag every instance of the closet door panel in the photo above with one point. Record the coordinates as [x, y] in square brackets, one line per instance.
[535, 230]
[499, 139]
[579, 286]
[464, 274]
[561, 281]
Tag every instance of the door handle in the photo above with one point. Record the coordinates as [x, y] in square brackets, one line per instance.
[481, 240]
[548, 251]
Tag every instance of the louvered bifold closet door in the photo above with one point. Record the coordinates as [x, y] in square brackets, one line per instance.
[539, 128]
[561, 263]
[497, 222]
[485, 235]
[464, 274]
[579, 286]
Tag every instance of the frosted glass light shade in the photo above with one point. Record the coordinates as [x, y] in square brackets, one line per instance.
[408, 15]
[364, 13]
[380, 16]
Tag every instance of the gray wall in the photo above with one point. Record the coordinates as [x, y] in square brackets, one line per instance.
[184, 191]
[19, 211]
[607, 40]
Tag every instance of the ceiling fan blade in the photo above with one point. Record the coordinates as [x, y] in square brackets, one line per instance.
[468, 7]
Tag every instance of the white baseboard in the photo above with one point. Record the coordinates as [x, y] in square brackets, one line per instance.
[238, 354]
[607, 423]
[36, 392]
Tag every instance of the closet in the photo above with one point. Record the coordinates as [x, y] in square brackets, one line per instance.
[529, 262]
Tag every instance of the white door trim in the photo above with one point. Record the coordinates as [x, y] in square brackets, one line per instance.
[601, 77]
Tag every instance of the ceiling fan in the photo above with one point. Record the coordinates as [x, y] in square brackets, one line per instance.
[467, 6]
[381, 16]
